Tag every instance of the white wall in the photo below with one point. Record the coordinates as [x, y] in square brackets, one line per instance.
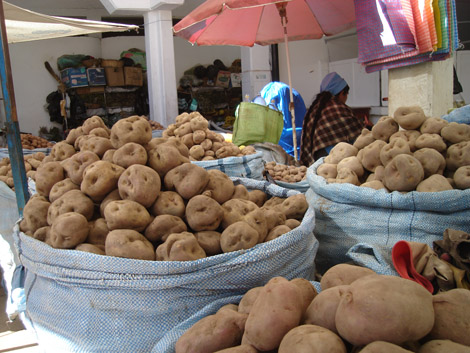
[111, 48]
[32, 82]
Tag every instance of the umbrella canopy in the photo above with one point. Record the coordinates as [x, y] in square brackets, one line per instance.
[249, 22]
[264, 22]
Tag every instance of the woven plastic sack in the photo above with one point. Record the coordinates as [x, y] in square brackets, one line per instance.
[256, 123]
[460, 115]
[4, 152]
[250, 166]
[301, 186]
[82, 302]
[347, 215]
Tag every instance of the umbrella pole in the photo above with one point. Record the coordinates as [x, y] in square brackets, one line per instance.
[291, 94]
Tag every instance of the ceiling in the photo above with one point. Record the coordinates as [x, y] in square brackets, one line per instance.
[83, 7]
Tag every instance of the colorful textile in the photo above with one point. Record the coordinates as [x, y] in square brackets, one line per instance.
[337, 123]
[333, 83]
[382, 29]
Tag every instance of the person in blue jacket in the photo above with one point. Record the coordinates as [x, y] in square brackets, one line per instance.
[279, 93]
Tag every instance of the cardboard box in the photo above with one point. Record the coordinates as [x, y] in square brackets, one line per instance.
[74, 77]
[114, 76]
[112, 63]
[96, 76]
[90, 90]
[133, 76]
[223, 79]
[236, 79]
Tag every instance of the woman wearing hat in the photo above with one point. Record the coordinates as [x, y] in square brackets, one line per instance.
[328, 120]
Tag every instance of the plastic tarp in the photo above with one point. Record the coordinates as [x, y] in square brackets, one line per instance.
[24, 25]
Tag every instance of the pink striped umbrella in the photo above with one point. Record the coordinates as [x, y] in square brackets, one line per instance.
[264, 22]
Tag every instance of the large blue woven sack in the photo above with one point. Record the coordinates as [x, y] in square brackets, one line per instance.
[352, 219]
[250, 166]
[460, 115]
[5, 154]
[82, 302]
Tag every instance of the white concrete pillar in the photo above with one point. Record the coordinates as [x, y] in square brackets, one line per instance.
[428, 85]
[256, 69]
[161, 75]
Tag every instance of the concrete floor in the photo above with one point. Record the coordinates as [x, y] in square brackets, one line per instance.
[13, 336]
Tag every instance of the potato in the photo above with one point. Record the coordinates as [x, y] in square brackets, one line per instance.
[75, 165]
[342, 274]
[410, 117]
[307, 289]
[99, 179]
[327, 170]
[276, 310]
[393, 148]
[364, 139]
[403, 173]
[257, 220]
[132, 129]
[247, 301]
[292, 223]
[237, 236]
[183, 129]
[385, 127]
[203, 213]
[164, 225]
[294, 206]
[96, 144]
[341, 151]
[126, 214]
[373, 184]
[346, 175]
[165, 157]
[236, 209]
[98, 231]
[188, 140]
[47, 175]
[94, 249]
[129, 154]
[180, 247]
[353, 163]
[139, 183]
[182, 148]
[213, 333]
[187, 179]
[434, 141]
[198, 122]
[458, 155]
[74, 134]
[93, 122]
[228, 150]
[456, 132]
[462, 177]
[241, 192]
[130, 244]
[387, 308]
[451, 316]
[43, 234]
[100, 132]
[434, 183]
[259, 197]
[71, 201]
[443, 346]
[274, 218]
[62, 150]
[311, 338]
[433, 125]
[68, 230]
[220, 187]
[168, 202]
[35, 214]
[209, 240]
[432, 161]
[244, 348]
[383, 347]
[277, 231]
[370, 155]
[409, 135]
[112, 196]
[196, 152]
[61, 187]
[322, 309]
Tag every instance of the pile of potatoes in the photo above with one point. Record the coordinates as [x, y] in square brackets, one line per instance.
[286, 173]
[31, 142]
[134, 196]
[426, 154]
[357, 310]
[31, 163]
[203, 144]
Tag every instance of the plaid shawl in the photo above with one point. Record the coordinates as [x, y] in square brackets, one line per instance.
[337, 123]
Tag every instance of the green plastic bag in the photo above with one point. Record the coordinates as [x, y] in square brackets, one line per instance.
[256, 123]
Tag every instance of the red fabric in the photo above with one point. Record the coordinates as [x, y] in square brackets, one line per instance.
[337, 123]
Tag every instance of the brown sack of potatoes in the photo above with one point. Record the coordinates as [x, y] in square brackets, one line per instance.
[130, 244]
[384, 308]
